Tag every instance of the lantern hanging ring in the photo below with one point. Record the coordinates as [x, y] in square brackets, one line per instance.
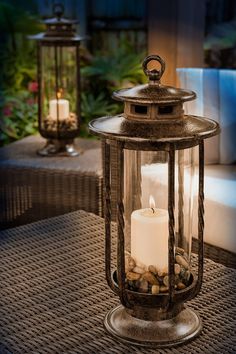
[58, 10]
[154, 74]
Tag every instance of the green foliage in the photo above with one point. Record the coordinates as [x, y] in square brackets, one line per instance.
[18, 107]
[20, 114]
[105, 73]
[101, 74]
[93, 107]
[114, 69]
[19, 68]
[17, 53]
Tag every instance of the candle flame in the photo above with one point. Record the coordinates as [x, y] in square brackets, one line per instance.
[59, 93]
[152, 203]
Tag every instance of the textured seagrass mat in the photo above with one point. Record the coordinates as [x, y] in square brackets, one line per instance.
[53, 293]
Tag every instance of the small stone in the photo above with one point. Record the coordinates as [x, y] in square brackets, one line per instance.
[155, 289]
[163, 289]
[163, 272]
[177, 268]
[187, 276]
[133, 276]
[143, 286]
[181, 261]
[150, 278]
[166, 280]
[138, 270]
[152, 269]
[179, 250]
[129, 263]
[182, 272]
[181, 286]
[185, 256]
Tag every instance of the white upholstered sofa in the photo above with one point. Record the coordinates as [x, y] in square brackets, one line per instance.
[216, 99]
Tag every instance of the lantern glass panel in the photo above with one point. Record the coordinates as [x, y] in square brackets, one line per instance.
[59, 93]
[146, 211]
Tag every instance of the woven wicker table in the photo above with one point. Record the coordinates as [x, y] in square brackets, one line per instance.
[33, 187]
[53, 294]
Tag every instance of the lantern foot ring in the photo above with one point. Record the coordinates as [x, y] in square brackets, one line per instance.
[56, 147]
[159, 334]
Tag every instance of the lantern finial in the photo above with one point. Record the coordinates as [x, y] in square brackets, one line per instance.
[154, 74]
[58, 10]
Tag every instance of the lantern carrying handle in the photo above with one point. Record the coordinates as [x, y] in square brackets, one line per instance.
[58, 10]
[154, 74]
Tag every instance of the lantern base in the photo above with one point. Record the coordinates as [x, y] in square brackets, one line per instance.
[159, 334]
[59, 148]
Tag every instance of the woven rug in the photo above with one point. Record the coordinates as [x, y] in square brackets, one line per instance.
[53, 293]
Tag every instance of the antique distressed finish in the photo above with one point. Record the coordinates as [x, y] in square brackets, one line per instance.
[153, 120]
[60, 36]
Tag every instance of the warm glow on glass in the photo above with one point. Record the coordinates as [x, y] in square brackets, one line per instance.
[59, 94]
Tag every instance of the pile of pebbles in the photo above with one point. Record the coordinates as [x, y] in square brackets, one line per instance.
[151, 280]
[66, 124]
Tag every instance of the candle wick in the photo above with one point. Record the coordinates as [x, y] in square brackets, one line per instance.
[153, 210]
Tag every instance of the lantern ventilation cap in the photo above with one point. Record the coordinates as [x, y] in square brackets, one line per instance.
[154, 74]
[154, 92]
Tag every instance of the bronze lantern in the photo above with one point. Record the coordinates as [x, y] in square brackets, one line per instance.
[58, 63]
[159, 156]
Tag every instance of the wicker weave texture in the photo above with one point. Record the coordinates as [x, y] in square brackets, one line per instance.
[34, 188]
[53, 294]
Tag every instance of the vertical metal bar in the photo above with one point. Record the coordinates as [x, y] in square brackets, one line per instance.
[200, 222]
[181, 198]
[57, 87]
[107, 212]
[171, 240]
[39, 66]
[138, 175]
[78, 87]
[61, 69]
[191, 199]
[132, 186]
[120, 227]
[200, 217]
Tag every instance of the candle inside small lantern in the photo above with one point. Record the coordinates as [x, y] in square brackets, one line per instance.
[59, 108]
[149, 236]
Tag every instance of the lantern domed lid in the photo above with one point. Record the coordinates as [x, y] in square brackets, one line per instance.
[58, 28]
[160, 122]
[154, 91]
[58, 11]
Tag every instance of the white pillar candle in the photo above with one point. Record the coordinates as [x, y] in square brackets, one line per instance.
[59, 107]
[149, 237]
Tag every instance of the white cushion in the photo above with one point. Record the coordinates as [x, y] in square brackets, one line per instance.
[216, 97]
[220, 206]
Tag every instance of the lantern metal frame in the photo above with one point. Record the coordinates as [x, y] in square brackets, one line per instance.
[60, 33]
[159, 320]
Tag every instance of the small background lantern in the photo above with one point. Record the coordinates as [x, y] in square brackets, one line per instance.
[160, 157]
[58, 63]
